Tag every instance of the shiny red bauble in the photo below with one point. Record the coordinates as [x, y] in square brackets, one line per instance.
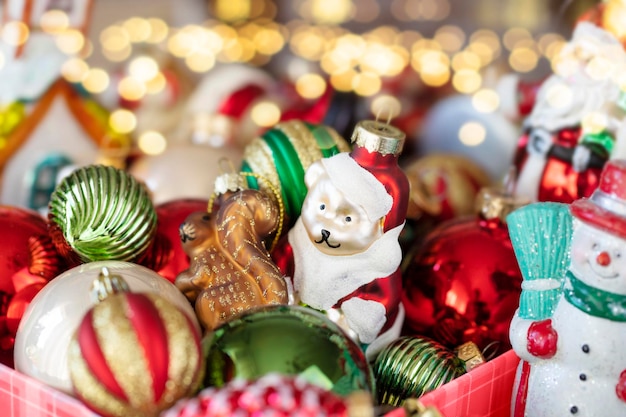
[463, 284]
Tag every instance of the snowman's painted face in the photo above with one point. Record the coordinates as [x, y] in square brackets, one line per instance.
[599, 258]
[333, 223]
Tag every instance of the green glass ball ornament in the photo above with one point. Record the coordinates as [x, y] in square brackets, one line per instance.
[411, 366]
[282, 155]
[289, 340]
[100, 213]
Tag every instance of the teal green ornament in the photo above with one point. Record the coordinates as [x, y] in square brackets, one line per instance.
[289, 340]
[541, 235]
[100, 213]
[411, 366]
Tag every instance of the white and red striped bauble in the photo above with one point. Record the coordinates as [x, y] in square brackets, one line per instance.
[135, 354]
[272, 395]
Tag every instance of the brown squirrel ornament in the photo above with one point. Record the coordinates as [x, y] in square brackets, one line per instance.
[230, 270]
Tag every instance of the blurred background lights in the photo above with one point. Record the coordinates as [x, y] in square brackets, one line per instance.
[131, 89]
[486, 101]
[54, 21]
[472, 133]
[143, 68]
[74, 70]
[70, 41]
[385, 107]
[95, 80]
[122, 121]
[152, 143]
[310, 86]
[15, 33]
[265, 114]
[595, 122]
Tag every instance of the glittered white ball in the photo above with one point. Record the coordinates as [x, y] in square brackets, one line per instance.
[44, 334]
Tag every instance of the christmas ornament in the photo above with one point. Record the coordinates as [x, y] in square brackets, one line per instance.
[290, 340]
[272, 394]
[343, 252]
[543, 260]
[443, 186]
[133, 354]
[573, 361]
[101, 213]
[462, 283]
[412, 366]
[231, 270]
[52, 317]
[28, 260]
[454, 126]
[282, 155]
[217, 113]
[182, 171]
[576, 122]
[165, 255]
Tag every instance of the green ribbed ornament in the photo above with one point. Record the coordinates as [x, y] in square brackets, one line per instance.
[541, 235]
[282, 155]
[411, 366]
[100, 213]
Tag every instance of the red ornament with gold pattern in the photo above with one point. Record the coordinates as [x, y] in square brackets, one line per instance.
[463, 282]
[343, 252]
[133, 354]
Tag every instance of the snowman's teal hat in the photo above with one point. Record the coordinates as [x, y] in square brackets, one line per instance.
[606, 207]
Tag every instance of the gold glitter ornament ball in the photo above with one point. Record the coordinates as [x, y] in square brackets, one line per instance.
[100, 213]
[135, 354]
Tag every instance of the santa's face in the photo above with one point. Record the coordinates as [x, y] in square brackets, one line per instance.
[599, 258]
[334, 224]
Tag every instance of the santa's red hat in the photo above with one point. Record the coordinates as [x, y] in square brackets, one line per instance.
[606, 207]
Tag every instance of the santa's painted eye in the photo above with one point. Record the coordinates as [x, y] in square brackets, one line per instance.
[348, 219]
[322, 206]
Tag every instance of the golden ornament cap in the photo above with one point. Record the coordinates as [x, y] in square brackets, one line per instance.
[378, 137]
[106, 285]
[414, 408]
[471, 356]
[497, 202]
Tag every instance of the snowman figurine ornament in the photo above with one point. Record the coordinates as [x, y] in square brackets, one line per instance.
[577, 357]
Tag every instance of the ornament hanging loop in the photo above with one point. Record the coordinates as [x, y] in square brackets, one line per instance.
[106, 285]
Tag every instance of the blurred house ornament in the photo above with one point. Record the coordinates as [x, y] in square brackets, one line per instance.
[47, 123]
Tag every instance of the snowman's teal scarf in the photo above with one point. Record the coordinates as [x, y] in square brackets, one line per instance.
[594, 301]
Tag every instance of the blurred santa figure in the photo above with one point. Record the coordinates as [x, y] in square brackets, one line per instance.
[577, 121]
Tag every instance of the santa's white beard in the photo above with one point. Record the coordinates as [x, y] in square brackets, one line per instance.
[320, 280]
[587, 96]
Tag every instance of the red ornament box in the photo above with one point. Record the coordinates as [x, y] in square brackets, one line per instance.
[484, 392]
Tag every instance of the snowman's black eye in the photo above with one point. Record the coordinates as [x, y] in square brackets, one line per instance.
[348, 219]
[595, 246]
[618, 255]
[322, 206]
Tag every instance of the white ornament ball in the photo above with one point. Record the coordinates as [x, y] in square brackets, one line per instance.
[49, 322]
[455, 126]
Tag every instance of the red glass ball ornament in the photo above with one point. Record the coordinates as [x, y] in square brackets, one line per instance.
[271, 395]
[165, 254]
[28, 260]
[463, 284]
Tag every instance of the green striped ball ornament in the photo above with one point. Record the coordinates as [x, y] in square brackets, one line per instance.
[411, 366]
[100, 213]
[282, 155]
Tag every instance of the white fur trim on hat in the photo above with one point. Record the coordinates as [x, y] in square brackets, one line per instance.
[359, 185]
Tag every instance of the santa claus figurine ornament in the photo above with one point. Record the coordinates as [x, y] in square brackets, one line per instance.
[576, 123]
[343, 252]
[576, 356]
